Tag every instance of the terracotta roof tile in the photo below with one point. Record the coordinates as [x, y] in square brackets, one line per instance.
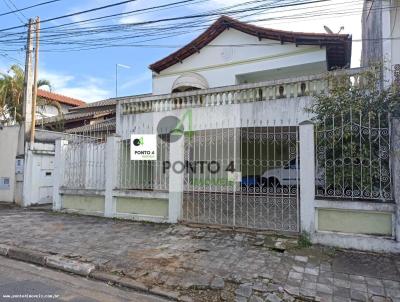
[59, 98]
[338, 45]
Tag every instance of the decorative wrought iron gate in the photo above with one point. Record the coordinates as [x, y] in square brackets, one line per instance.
[243, 177]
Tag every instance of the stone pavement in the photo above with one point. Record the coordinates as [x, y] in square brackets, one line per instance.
[206, 264]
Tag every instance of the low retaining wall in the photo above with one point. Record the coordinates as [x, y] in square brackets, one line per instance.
[357, 225]
[136, 205]
[84, 204]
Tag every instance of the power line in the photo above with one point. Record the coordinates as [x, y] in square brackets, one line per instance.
[296, 3]
[86, 29]
[157, 31]
[75, 14]
[122, 14]
[200, 15]
[28, 7]
[16, 14]
[7, 56]
[271, 44]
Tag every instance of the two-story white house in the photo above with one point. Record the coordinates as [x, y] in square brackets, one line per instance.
[248, 156]
[231, 52]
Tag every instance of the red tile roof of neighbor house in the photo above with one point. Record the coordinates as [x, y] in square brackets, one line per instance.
[338, 46]
[59, 98]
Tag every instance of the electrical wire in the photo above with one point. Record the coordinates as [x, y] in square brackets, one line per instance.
[28, 7]
[180, 26]
[15, 12]
[87, 41]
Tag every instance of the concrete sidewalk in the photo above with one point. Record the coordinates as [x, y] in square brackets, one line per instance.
[202, 264]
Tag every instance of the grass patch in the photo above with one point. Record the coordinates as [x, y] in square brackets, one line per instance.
[304, 240]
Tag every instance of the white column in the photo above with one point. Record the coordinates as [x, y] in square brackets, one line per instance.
[307, 177]
[59, 168]
[111, 170]
[387, 42]
[27, 187]
[176, 178]
[395, 159]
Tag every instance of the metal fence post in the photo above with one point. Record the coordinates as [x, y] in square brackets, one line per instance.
[59, 167]
[307, 177]
[176, 179]
[111, 171]
[395, 160]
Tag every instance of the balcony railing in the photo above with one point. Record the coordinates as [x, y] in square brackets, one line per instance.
[236, 94]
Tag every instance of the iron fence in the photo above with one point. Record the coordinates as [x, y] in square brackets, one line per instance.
[142, 174]
[84, 157]
[353, 156]
[256, 185]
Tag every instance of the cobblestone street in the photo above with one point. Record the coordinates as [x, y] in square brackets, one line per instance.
[207, 264]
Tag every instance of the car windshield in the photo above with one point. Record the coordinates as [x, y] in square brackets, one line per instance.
[292, 164]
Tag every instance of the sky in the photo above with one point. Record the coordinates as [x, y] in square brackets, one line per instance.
[90, 74]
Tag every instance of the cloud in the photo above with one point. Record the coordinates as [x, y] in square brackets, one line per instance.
[86, 88]
[126, 19]
[89, 93]
[141, 78]
[150, 14]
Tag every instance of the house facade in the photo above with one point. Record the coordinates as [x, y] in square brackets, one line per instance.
[231, 53]
[88, 118]
[235, 145]
[55, 104]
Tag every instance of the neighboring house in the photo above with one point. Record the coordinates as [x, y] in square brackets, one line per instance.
[34, 170]
[381, 35]
[55, 104]
[97, 116]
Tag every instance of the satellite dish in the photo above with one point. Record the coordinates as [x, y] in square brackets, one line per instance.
[328, 30]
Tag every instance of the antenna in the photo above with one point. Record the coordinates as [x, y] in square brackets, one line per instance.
[328, 30]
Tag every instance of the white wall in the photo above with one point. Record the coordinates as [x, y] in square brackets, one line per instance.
[395, 32]
[38, 176]
[221, 65]
[289, 111]
[8, 152]
[50, 110]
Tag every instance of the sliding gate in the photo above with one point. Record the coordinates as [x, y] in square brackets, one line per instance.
[244, 177]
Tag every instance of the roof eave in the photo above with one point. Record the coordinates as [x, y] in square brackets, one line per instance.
[262, 33]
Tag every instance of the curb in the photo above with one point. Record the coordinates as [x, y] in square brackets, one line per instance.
[84, 269]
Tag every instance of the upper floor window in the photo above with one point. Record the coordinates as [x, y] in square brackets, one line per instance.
[189, 81]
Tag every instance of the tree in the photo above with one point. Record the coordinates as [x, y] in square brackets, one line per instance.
[12, 95]
[352, 123]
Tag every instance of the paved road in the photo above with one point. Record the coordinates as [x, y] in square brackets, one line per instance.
[19, 278]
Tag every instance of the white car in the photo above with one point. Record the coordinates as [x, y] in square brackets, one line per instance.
[288, 175]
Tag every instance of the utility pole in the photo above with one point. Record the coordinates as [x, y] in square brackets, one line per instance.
[27, 102]
[35, 79]
[26, 117]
